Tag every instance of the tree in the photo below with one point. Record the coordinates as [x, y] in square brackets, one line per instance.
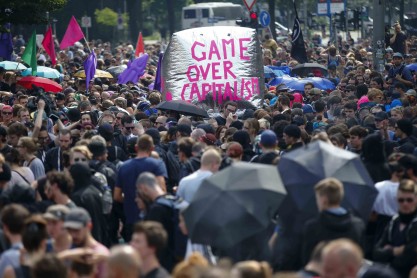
[28, 11]
[109, 17]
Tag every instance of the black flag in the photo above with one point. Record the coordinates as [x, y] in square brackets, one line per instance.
[298, 49]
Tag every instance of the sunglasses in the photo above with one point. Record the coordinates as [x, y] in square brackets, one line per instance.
[7, 113]
[408, 200]
[80, 159]
[129, 127]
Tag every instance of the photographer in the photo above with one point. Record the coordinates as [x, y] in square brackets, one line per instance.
[398, 40]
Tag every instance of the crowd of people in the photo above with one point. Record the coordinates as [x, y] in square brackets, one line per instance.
[94, 179]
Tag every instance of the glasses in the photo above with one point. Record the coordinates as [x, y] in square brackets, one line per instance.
[119, 118]
[129, 127]
[7, 113]
[158, 123]
[80, 159]
[42, 138]
[231, 110]
[408, 200]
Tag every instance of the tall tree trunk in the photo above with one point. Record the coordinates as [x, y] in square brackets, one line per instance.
[171, 15]
[271, 4]
[134, 8]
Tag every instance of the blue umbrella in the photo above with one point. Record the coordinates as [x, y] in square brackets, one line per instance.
[281, 79]
[43, 72]
[321, 83]
[268, 73]
[412, 67]
[9, 65]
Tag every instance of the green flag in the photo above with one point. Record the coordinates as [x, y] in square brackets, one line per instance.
[29, 56]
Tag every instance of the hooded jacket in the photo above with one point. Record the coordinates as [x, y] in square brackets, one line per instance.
[87, 196]
[329, 226]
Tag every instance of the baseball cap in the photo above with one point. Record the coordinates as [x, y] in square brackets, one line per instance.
[315, 91]
[106, 130]
[60, 96]
[398, 55]
[56, 212]
[268, 138]
[411, 92]
[77, 218]
[209, 139]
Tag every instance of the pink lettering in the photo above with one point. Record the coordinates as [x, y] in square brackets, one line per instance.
[230, 42]
[248, 88]
[190, 73]
[193, 52]
[194, 90]
[215, 71]
[183, 91]
[227, 65]
[205, 90]
[213, 51]
[204, 73]
[243, 49]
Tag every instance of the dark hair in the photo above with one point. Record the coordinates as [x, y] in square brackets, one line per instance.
[155, 234]
[351, 105]
[14, 216]
[34, 232]
[359, 131]
[319, 106]
[126, 119]
[17, 129]
[64, 181]
[49, 266]
[145, 143]
[185, 145]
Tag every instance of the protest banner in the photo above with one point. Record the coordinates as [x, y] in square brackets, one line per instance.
[223, 60]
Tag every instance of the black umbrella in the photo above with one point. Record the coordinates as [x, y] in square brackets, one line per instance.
[234, 204]
[182, 107]
[303, 70]
[116, 70]
[301, 169]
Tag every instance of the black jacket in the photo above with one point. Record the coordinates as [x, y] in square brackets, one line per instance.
[408, 259]
[328, 226]
[54, 160]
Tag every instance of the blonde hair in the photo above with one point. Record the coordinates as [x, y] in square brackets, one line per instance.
[81, 149]
[253, 269]
[331, 188]
[190, 267]
[374, 93]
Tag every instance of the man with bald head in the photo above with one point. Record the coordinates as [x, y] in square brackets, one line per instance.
[124, 262]
[342, 258]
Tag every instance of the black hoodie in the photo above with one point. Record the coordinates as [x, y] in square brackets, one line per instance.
[329, 226]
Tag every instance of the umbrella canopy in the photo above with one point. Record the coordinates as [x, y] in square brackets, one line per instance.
[43, 72]
[99, 73]
[320, 83]
[234, 204]
[45, 83]
[268, 73]
[117, 70]
[303, 70]
[182, 107]
[9, 65]
[281, 79]
[301, 169]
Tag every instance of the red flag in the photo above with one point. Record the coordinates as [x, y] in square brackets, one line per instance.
[140, 46]
[72, 35]
[49, 46]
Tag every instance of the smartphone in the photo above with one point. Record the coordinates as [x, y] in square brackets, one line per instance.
[54, 117]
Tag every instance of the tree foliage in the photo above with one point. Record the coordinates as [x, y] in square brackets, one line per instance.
[109, 17]
[28, 11]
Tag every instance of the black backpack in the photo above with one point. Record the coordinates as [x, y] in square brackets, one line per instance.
[175, 203]
[173, 168]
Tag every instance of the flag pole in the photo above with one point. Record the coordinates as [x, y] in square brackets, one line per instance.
[87, 44]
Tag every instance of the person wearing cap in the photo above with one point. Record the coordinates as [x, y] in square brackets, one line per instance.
[268, 144]
[399, 73]
[79, 225]
[55, 217]
[314, 94]
[210, 163]
[398, 41]
[60, 102]
[411, 97]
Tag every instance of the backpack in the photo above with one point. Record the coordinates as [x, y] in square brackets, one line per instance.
[173, 169]
[176, 204]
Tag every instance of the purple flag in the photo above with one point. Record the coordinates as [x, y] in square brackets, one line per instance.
[90, 65]
[6, 45]
[157, 82]
[134, 71]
